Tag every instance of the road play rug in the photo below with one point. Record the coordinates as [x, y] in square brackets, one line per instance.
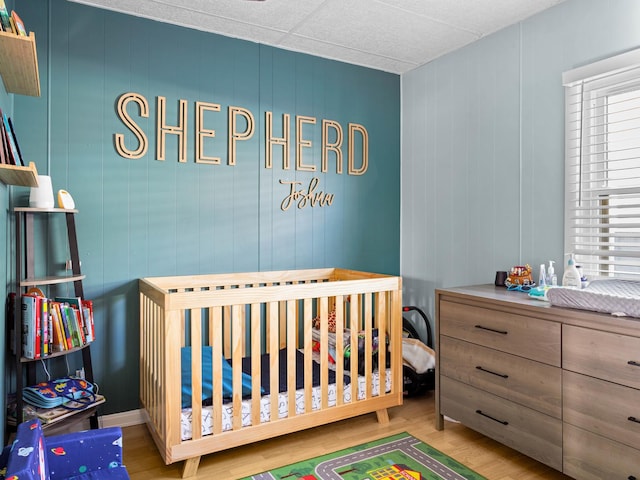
[399, 457]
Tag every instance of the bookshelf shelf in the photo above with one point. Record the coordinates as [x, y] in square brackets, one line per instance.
[44, 210]
[50, 280]
[19, 64]
[51, 418]
[54, 354]
[22, 176]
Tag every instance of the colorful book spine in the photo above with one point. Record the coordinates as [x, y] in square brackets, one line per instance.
[44, 317]
[4, 144]
[65, 326]
[18, 24]
[79, 325]
[29, 304]
[88, 315]
[5, 19]
[38, 327]
[70, 320]
[50, 326]
[13, 149]
[59, 341]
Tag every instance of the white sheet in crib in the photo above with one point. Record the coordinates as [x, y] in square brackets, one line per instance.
[283, 405]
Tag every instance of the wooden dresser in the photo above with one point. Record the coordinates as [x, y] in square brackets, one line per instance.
[559, 385]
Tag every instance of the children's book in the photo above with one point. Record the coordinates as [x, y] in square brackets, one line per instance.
[59, 340]
[13, 150]
[44, 325]
[4, 139]
[19, 24]
[15, 140]
[81, 324]
[66, 332]
[87, 314]
[3, 154]
[29, 305]
[5, 20]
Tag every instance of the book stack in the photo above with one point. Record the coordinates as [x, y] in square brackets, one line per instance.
[47, 415]
[11, 23]
[55, 325]
[9, 149]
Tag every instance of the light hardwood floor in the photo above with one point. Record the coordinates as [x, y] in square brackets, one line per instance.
[416, 416]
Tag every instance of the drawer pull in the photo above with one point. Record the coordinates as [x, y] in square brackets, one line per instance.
[634, 363]
[492, 418]
[631, 477]
[501, 332]
[502, 375]
[633, 419]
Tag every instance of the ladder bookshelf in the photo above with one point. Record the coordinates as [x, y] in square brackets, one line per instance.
[25, 368]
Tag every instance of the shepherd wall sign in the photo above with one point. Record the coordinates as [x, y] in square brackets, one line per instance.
[240, 128]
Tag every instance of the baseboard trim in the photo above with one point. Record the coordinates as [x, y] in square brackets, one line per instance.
[122, 419]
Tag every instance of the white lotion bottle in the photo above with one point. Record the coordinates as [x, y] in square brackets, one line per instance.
[553, 280]
[571, 277]
[542, 279]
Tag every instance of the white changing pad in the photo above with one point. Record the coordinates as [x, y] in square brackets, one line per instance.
[617, 297]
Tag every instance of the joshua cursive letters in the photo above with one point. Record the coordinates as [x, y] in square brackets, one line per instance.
[304, 198]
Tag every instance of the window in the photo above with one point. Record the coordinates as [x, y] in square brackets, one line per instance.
[602, 166]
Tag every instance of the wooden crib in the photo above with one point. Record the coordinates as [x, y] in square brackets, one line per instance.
[265, 315]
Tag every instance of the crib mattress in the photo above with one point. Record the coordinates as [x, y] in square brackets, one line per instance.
[283, 405]
[617, 297]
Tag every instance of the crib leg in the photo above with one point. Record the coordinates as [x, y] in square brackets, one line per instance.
[383, 416]
[190, 467]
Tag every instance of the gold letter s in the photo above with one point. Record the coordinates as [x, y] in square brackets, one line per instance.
[121, 109]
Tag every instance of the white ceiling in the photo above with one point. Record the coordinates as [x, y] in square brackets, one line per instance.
[390, 35]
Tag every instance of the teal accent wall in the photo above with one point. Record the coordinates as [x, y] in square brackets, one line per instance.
[483, 146]
[145, 217]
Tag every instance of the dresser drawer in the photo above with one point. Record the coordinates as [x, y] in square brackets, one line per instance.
[605, 408]
[605, 355]
[529, 383]
[588, 456]
[532, 433]
[517, 334]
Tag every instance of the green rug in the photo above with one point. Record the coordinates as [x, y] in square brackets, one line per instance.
[397, 457]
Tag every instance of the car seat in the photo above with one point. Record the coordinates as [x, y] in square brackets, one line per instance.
[417, 379]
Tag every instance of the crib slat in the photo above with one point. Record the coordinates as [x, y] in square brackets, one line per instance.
[354, 323]
[308, 354]
[151, 369]
[158, 385]
[171, 369]
[324, 352]
[396, 339]
[292, 328]
[381, 317]
[339, 308]
[216, 362]
[256, 373]
[273, 359]
[282, 321]
[368, 341]
[226, 314]
[267, 330]
[237, 331]
[146, 355]
[196, 373]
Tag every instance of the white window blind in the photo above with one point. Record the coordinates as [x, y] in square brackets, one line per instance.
[602, 166]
